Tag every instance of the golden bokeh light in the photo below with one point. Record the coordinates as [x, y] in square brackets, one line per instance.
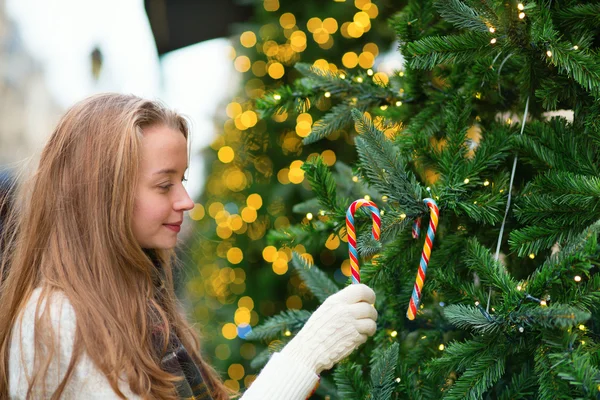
[235, 255]
[329, 157]
[255, 201]
[269, 253]
[246, 302]
[276, 70]
[236, 371]
[248, 39]
[229, 331]
[242, 63]
[197, 213]
[366, 60]
[293, 302]
[226, 154]
[330, 25]
[259, 68]
[371, 48]
[287, 20]
[249, 214]
[271, 5]
[313, 24]
[350, 59]
[233, 109]
[333, 242]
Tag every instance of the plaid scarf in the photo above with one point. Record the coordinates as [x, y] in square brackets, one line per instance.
[177, 361]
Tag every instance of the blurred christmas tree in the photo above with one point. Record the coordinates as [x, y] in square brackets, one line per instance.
[495, 117]
[256, 176]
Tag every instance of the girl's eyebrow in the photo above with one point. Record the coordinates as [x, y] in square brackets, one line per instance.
[167, 171]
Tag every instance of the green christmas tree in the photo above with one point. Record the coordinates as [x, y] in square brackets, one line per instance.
[234, 278]
[495, 117]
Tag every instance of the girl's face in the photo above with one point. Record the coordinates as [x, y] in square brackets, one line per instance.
[161, 198]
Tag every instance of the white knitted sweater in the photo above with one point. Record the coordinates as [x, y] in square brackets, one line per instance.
[281, 378]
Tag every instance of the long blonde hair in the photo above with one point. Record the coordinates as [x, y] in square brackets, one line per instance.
[71, 231]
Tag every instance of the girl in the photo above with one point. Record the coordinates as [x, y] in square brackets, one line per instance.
[88, 307]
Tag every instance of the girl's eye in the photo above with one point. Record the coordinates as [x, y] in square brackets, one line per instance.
[166, 187]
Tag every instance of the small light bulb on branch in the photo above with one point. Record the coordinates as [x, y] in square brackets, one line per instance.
[359, 79]
[520, 6]
[394, 334]
[342, 76]
[577, 278]
[355, 179]
[288, 333]
[575, 47]
[327, 94]
[402, 216]
[532, 256]
[492, 29]
[521, 329]
[521, 15]
[486, 183]
[398, 103]
[277, 97]
[370, 72]
[543, 303]
[383, 107]
[582, 327]
[441, 347]
[309, 216]
[466, 180]
[493, 41]
[549, 53]
[367, 197]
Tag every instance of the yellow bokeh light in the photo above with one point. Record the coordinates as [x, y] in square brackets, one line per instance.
[328, 157]
[281, 222]
[344, 30]
[361, 4]
[381, 78]
[255, 201]
[296, 175]
[280, 266]
[229, 331]
[249, 118]
[236, 371]
[371, 10]
[248, 39]
[233, 109]
[233, 385]
[313, 24]
[366, 60]
[235, 180]
[298, 41]
[355, 30]
[235, 255]
[236, 222]
[269, 253]
[346, 270]
[247, 302]
[371, 48]
[242, 316]
[242, 63]
[362, 19]
[249, 214]
[270, 48]
[197, 213]
[320, 36]
[282, 176]
[276, 70]
[293, 302]
[248, 351]
[287, 20]
[224, 232]
[214, 208]
[226, 154]
[350, 59]
[271, 5]
[330, 25]
[321, 63]
[259, 68]
[333, 242]
[303, 128]
[222, 352]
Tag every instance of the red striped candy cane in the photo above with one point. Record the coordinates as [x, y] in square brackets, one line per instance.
[352, 232]
[415, 299]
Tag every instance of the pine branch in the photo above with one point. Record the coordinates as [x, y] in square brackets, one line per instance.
[480, 376]
[383, 373]
[461, 15]
[469, 318]
[349, 381]
[551, 386]
[553, 316]
[522, 385]
[489, 270]
[455, 49]
[315, 279]
[292, 320]
[383, 166]
[337, 118]
[323, 184]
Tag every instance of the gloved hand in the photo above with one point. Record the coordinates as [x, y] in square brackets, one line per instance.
[342, 323]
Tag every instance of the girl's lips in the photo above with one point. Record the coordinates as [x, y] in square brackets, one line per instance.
[174, 228]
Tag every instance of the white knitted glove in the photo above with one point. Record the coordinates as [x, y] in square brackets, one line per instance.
[342, 323]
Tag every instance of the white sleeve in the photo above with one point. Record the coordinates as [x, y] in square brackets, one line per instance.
[86, 380]
[282, 378]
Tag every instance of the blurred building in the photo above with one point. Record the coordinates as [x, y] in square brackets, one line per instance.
[28, 111]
